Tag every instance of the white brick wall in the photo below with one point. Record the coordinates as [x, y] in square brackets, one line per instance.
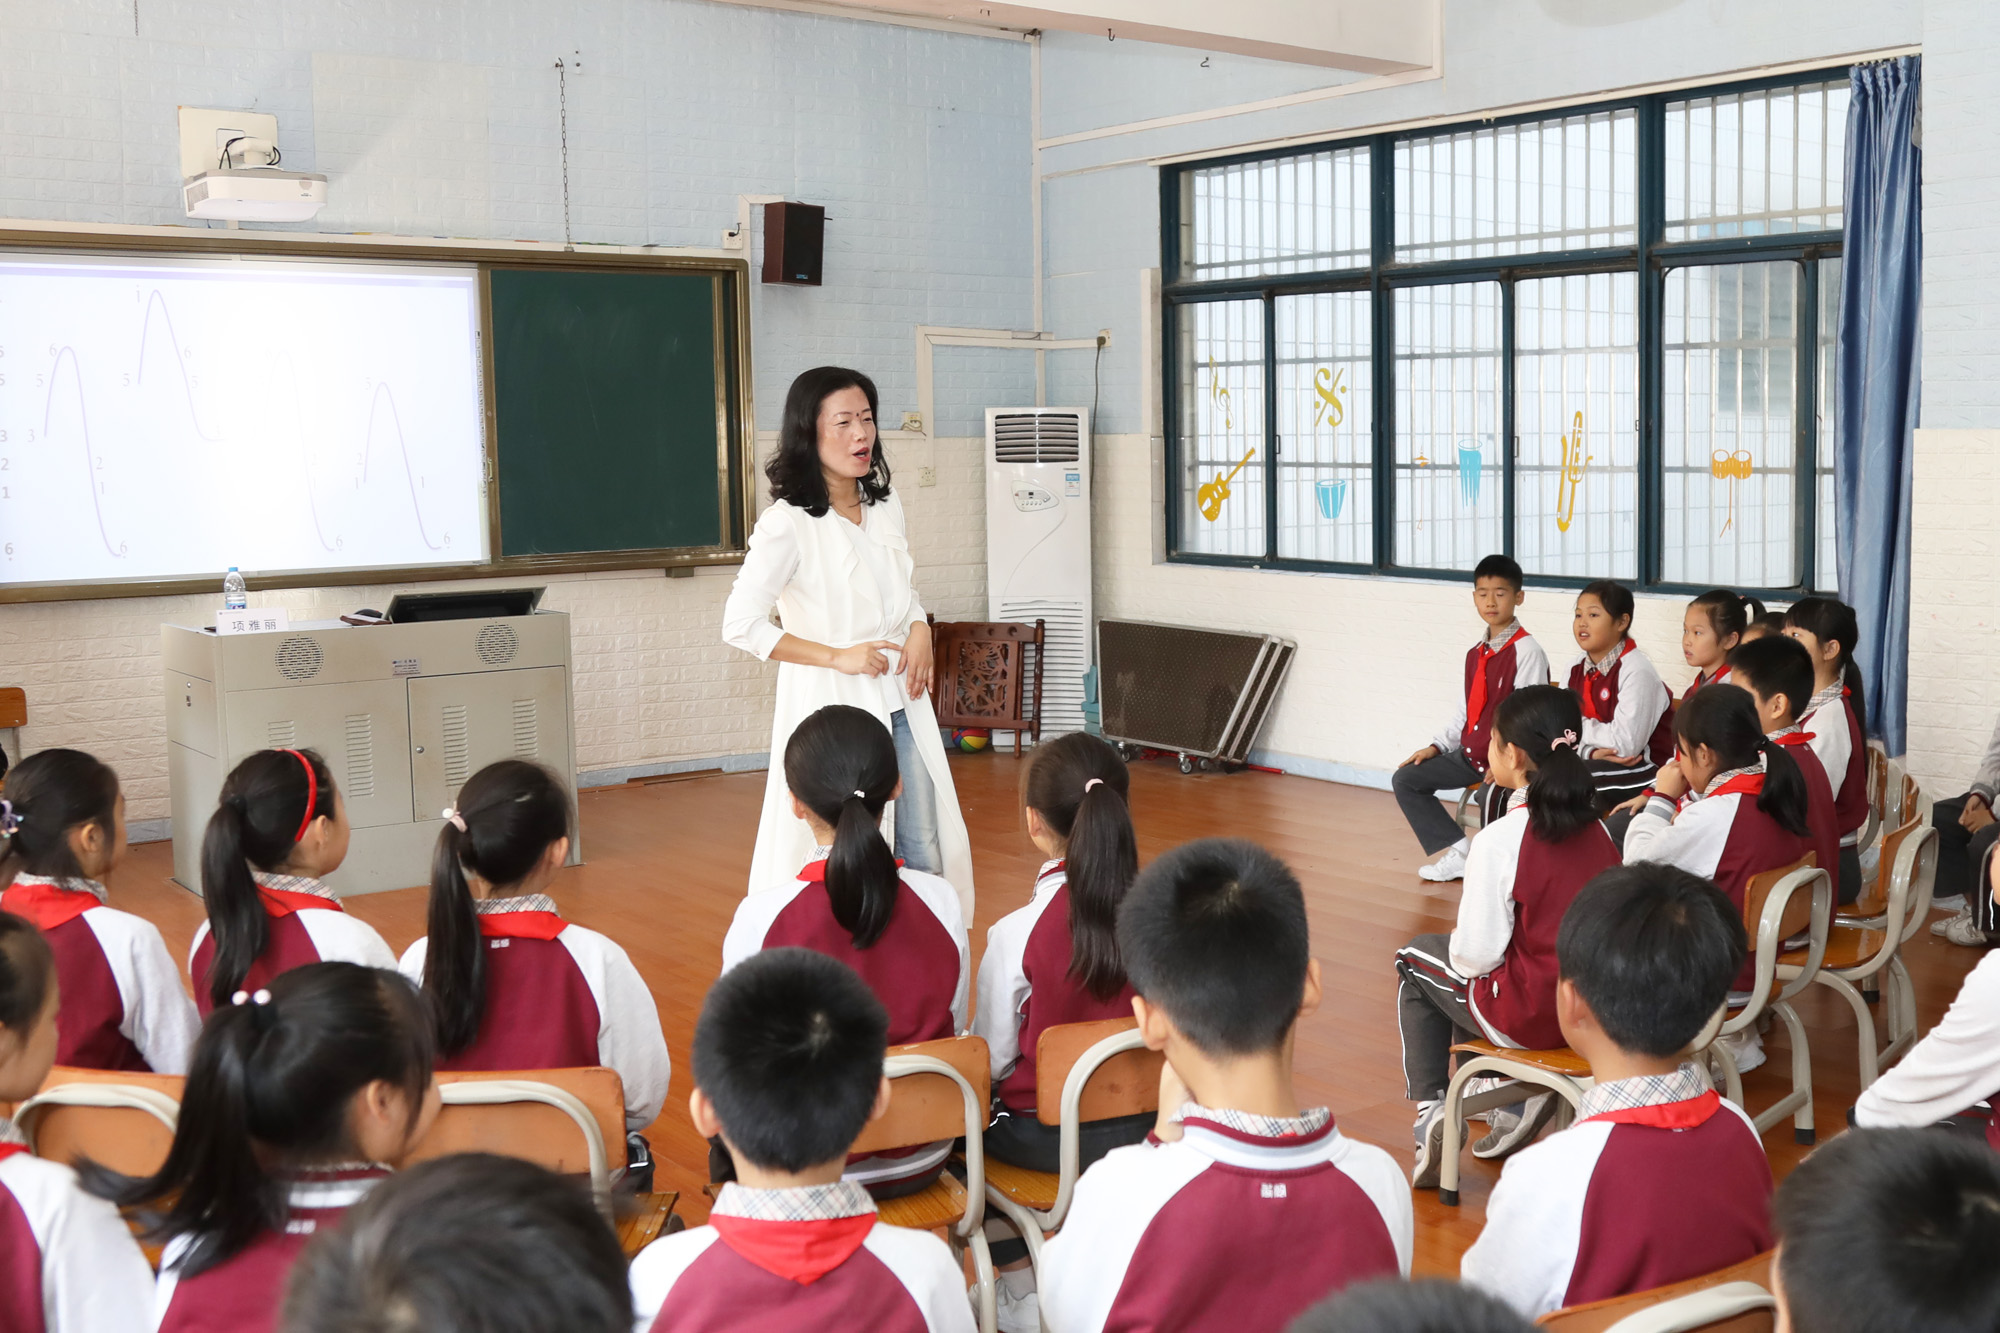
[1961, 126]
[1954, 605]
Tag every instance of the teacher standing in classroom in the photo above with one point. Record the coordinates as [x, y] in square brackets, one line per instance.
[831, 555]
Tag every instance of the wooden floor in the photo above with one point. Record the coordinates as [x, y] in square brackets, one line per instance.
[668, 859]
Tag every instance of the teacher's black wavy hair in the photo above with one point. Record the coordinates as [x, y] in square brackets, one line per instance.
[794, 470]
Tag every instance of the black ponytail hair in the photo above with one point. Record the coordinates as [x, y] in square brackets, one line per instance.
[50, 793]
[268, 1090]
[1615, 598]
[794, 470]
[1830, 621]
[27, 970]
[514, 811]
[1724, 718]
[1729, 612]
[841, 764]
[1546, 722]
[1079, 786]
[267, 803]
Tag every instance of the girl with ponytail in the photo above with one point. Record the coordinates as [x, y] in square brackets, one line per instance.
[280, 828]
[1714, 624]
[509, 983]
[1494, 976]
[900, 929]
[1834, 716]
[1056, 960]
[300, 1097]
[73, 1268]
[62, 829]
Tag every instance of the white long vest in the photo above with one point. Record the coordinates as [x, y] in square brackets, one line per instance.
[809, 570]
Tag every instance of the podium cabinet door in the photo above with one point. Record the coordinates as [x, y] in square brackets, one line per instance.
[460, 724]
[361, 728]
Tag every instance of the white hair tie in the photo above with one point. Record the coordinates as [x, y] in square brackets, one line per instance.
[246, 997]
[1094, 782]
[860, 793]
[451, 816]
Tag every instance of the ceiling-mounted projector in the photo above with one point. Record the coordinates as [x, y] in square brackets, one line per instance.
[255, 194]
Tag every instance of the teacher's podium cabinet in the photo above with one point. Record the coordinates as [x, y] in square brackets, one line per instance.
[402, 714]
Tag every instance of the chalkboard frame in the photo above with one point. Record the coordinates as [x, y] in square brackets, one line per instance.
[736, 433]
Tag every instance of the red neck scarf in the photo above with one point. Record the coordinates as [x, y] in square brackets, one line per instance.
[48, 905]
[520, 925]
[10, 1149]
[1721, 674]
[803, 1252]
[1590, 695]
[814, 872]
[1665, 1115]
[284, 902]
[1475, 693]
[1743, 784]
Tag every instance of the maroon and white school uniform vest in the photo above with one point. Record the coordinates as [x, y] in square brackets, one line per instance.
[1025, 988]
[1720, 677]
[1599, 695]
[1822, 816]
[306, 924]
[1623, 1201]
[123, 1005]
[1500, 670]
[68, 1264]
[1225, 1228]
[243, 1293]
[1850, 799]
[1517, 998]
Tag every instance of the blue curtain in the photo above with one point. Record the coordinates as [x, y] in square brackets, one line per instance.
[1880, 307]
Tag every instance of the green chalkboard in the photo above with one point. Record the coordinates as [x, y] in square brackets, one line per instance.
[610, 411]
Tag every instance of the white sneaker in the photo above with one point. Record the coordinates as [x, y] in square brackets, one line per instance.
[1446, 868]
[1429, 1135]
[1943, 927]
[1018, 1314]
[1512, 1130]
[1953, 903]
[1963, 930]
[1477, 1086]
[1746, 1048]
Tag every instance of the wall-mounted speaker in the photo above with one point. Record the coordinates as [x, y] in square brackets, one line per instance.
[794, 238]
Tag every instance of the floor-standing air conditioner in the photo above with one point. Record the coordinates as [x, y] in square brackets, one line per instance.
[1038, 543]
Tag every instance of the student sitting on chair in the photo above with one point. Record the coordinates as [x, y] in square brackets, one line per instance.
[1495, 975]
[1660, 1179]
[1951, 1070]
[1887, 1230]
[787, 1071]
[1627, 710]
[1505, 659]
[1779, 675]
[1834, 716]
[1243, 1208]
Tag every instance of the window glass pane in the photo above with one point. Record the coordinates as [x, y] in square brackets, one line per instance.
[1326, 423]
[1576, 410]
[1565, 184]
[1729, 400]
[1447, 457]
[1756, 164]
[1222, 428]
[1826, 571]
[1302, 214]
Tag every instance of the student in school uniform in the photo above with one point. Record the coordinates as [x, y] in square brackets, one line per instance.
[1495, 975]
[1833, 715]
[300, 1098]
[470, 1243]
[1947, 1074]
[1778, 673]
[67, 1262]
[278, 830]
[788, 1071]
[1715, 623]
[898, 928]
[123, 1005]
[510, 983]
[1243, 1208]
[1749, 815]
[1887, 1230]
[1660, 1179]
[1627, 711]
[1505, 659]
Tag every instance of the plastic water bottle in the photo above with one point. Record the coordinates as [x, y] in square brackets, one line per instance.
[235, 596]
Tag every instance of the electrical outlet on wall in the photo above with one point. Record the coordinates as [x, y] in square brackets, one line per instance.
[926, 476]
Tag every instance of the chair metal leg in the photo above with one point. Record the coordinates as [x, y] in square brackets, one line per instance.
[1864, 1023]
[982, 1266]
[1025, 1222]
[1797, 1102]
[1732, 1081]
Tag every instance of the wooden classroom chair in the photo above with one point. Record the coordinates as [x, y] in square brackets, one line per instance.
[1859, 952]
[117, 1118]
[571, 1121]
[989, 674]
[1736, 1299]
[940, 1090]
[13, 716]
[1105, 1071]
[1778, 905]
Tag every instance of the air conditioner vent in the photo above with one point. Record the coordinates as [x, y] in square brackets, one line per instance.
[498, 644]
[299, 657]
[1037, 437]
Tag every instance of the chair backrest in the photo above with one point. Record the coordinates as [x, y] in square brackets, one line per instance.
[1874, 899]
[927, 1105]
[987, 675]
[1911, 873]
[1798, 910]
[13, 707]
[1126, 1083]
[553, 1117]
[1911, 801]
[1736, 1299]
[117, 1119]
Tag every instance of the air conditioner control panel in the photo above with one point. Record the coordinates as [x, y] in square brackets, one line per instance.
[1030, 498]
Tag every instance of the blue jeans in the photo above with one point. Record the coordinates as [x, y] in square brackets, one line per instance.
[917, 844]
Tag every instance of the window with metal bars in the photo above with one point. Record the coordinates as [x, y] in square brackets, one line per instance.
[1599, 339]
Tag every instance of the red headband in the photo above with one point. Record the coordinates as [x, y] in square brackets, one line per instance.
[312, 793]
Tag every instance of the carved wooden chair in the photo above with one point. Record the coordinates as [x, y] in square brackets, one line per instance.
[989, 674]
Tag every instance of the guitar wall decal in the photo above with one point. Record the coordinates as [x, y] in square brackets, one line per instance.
[1212, 493]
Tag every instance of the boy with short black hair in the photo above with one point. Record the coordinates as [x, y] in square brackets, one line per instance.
[1884, 1230]
[1241, 1209]
[1428, 1305]
[788, 1069]
[1505, 659]
[1660, 1179]
[1778, 672]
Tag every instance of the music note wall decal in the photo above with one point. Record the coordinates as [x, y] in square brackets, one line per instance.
[1220, 397]
[1573, 462]
[1327, 407]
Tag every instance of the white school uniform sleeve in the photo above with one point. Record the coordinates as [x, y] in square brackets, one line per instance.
[1486, 906]
[160, 1018]
[1642, 698]
[934, 1280]
[1003, 986]
[94, 1279]
[629, 1039]
[942, 899]
[1956, 1064]
[659, 1266]
[1083, 1268]
[1383, 1181]
[1692, 840]
[1531, 664]
[1534, 1221]
[753, 920]
[1830, 741]
[340, 938]
[411, 965]
[767, 567]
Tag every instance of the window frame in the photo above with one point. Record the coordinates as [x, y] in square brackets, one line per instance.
[1650, 258]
